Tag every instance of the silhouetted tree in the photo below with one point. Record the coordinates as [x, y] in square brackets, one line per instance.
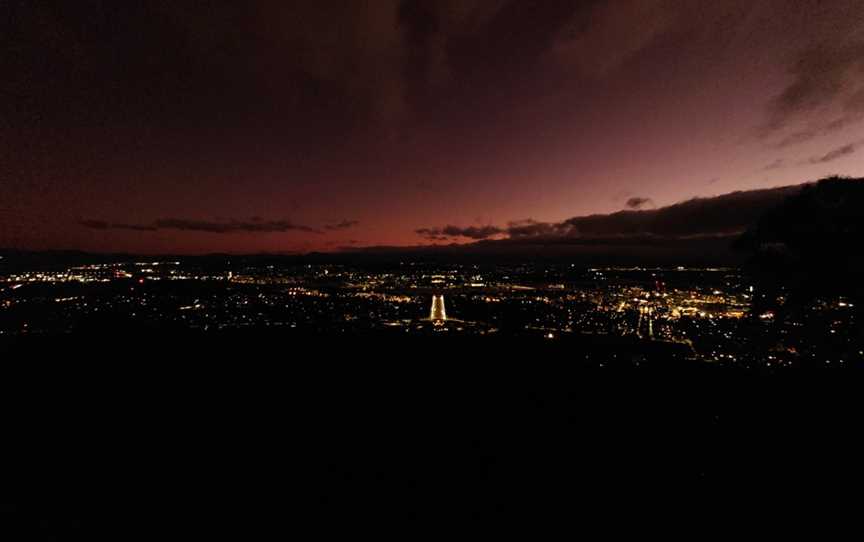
[810, 246]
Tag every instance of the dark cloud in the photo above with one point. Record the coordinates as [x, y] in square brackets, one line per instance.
[343, 225]
[284, 93]
[823, 76]
[530, 228]
[271, 65]
[103, 225]
[840, 152]
[258, 226]
[776, 164]
[801, 136]
[95, 224]
[254, 225]
[135, 227]
[471, 232]
[346, 63]
[821, 129]
[433, 234]
[638, 203]
[719, 216]
[600, 36]
[169, 64]
[421, 24]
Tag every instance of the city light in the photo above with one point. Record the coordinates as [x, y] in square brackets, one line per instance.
[708, 313]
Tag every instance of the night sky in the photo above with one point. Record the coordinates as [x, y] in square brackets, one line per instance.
[275, 126]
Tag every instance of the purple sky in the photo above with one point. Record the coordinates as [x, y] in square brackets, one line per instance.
[328, 124]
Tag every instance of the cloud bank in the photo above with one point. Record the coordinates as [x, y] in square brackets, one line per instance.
[721, 216]
[343, 225]
[470, 232]
[832, 155]
[182, 224]
[637, 203]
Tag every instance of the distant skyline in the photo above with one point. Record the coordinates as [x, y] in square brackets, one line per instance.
[266, 127]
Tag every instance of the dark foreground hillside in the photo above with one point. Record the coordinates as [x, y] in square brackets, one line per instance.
[253, 436]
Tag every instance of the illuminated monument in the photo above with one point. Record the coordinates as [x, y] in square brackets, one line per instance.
[438, 314]
[441, 323]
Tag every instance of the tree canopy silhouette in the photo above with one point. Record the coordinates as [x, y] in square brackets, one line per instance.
[809, 246]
